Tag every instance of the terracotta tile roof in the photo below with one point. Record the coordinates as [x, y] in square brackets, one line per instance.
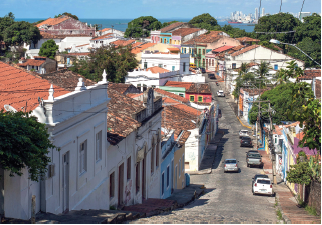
[205, 38]
[119, 116]
[184, 31]
[120, 87]
[66, 79]
[185, 85]
[53, 21]
[300, 135]
[310, 74]
[140, 48]
[122, 42]
[46, 35]
[222, 48]
[318, 89]
[199, 88]
[156, 69]
[246, 49]
[278, 130]
[171, 95]
[32, 62]
[62, 36]
[181, 106]
[19, 86]
[81, 45]
[105, 29]
[39, 57]
[247, 39]
[102, 37]
[136, 44]
[184, 136]
[171, 26]
[173, 49]
[133, 95]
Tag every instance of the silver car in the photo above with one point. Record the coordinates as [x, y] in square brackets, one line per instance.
[231, 165]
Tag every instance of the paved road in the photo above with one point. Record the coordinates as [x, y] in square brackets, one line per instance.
[228, 197]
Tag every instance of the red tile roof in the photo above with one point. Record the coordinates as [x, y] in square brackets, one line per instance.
[140, 48]
[181, 106]
[171, 26]
[133, 95]
[199, 88]
[122, 42]
[171, 95]
[62, 36]
[247, 39]
[32, 62]
[173, 49]
[136, 44]
[120, 87]
[318, 89]
[53, 21]
[310, 74]
[278, 130]
[222, 48]
[210, 37]
[46, 35]
[102, 37]
[19, 86]
[157, 69]
[184, 31]
[105, 29]
[81, 45]
[185, 85]
[246, 49]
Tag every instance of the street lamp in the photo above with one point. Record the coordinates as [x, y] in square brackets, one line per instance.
[274, 41]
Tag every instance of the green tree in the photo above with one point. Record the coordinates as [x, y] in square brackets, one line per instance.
[234, 32]
[262, 71]
[310, 28]
[116, 61]
[67, 14]
[6, 22]
[142, 26]
[292, 71]
[308, 113]
[204, 21]
[169, 23]
[21, 32]
[24, 143]
[48, 49]
[280, 22]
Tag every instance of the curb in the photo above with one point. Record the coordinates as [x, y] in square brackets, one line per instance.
[243, 124]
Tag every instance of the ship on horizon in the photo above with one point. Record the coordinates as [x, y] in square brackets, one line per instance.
[234, 21]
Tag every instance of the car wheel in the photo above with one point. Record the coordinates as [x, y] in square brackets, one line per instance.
[253, 193]
[247, 165]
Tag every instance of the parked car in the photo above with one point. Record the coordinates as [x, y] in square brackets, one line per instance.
[246, 141]
[253, 158]
[263, 186]
[211, 76]
[258, 176]
[243, 133]
[220, 93]
[231, 165]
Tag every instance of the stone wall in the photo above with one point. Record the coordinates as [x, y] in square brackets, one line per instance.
[313, 195]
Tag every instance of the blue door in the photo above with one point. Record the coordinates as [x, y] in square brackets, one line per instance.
[68, 61]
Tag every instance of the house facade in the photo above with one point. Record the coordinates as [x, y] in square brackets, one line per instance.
[39, 64]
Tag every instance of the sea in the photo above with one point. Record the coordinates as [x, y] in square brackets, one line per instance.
[121, 24]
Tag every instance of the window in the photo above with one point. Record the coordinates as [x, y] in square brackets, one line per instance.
[185, 50]
[162, 187]
[207, 62]
[157, 154]
[152, 157]
[168, 176]
[200, 99]
[99, 146]
[192, 52]
[90, 34]
[213, 61]
[145, 65]
[184, 67]
[153, 86]
[170, 41]
[145, 87]
[276, 67]
[129, 168]
[137, 177]
[160, 40]
[173, 68]
[192, 98]
[160, 65]
[112, 185]
[82, 157]
[179, 168]
[234, 65]
[182, 163]
[180, 94]
[165, 41]
[138, 86]
[203, 51]
[203, 62]
[199, 51]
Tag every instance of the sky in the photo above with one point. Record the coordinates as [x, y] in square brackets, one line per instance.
[160, 9]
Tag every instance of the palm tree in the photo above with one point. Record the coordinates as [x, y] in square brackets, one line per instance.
[262, 71]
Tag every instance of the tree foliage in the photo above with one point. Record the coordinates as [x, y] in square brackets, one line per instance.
[310, 28]
[142, 26]
[24, 143]
[308, 113]
[48, 49]
[204, 21]
[292, 71]
[67, 14]
[169, 23]
[6, 22]
[116, 61]
[21, 32]
[300, 173]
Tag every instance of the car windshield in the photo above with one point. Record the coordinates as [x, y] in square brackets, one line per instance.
[246, 138]
[264, 181]
[244, 131]
[252, 155]
[230, 161]
[261, 176]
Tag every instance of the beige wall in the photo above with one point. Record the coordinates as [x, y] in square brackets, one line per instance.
[177, 156]
[222, 42]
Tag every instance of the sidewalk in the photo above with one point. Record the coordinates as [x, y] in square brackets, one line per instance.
[287, 204]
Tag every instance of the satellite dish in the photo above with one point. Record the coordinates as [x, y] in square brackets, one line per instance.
[9, 108]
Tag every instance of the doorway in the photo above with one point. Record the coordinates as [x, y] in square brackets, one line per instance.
[66, 182]
[121, 184]
[143, 179]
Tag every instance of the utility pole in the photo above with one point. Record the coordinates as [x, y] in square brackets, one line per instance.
[271, 142]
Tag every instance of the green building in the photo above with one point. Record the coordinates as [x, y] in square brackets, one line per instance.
[175, 90]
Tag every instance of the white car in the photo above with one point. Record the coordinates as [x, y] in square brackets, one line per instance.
[220, 93]
[231, 165]
[263, 186]
[243, 133]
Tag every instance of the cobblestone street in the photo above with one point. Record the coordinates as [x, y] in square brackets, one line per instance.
[228, 197]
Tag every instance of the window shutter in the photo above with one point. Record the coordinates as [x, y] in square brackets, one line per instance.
[85, 156]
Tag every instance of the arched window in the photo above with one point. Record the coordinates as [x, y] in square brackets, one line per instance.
[165, 41]
[213, 62]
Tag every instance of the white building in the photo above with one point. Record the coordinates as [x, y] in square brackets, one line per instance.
[69, 42]
[77, 175]
[109, 30]
[104, 40]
